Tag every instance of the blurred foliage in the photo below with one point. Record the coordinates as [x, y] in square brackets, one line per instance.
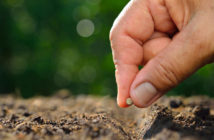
[41, 50]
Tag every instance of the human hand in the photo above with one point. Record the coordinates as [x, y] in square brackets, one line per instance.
[171, 38]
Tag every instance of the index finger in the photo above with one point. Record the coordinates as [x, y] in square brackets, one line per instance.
[133, 26]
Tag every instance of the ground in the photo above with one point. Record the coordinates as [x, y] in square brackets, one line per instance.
[86, 117]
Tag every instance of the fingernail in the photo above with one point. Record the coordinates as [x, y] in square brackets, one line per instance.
[144, 93]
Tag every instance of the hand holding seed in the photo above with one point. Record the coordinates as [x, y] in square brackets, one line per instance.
[171, 38]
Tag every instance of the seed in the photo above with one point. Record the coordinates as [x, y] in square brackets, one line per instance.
[129, 101]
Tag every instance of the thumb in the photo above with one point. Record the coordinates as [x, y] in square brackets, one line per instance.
[187, 52]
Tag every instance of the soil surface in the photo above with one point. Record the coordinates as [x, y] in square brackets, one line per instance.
[85, 117]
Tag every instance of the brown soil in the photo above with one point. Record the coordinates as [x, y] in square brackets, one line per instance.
[86, 117]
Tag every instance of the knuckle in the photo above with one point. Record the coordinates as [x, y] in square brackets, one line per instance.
[168, 75]
[115, 39]
[111, 34]
[115, 34]
[112, 37]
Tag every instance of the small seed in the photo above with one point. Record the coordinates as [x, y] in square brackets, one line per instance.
[129, 101]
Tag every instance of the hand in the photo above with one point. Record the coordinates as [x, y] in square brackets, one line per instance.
[171, 39]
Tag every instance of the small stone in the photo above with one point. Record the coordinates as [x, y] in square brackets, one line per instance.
[129, 101]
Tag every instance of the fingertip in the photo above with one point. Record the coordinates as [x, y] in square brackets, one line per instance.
[121, 100]
[122, 103]
[124, 76]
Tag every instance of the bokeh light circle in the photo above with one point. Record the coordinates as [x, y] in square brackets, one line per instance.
[85, 28]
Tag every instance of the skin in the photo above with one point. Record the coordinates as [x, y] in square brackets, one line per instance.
[171, 39]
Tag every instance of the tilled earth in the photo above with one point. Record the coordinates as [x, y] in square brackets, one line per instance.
[86, 117]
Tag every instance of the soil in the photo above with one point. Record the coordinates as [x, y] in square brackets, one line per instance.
[85, 117]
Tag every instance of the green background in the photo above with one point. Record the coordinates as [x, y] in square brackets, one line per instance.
[41, 51]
